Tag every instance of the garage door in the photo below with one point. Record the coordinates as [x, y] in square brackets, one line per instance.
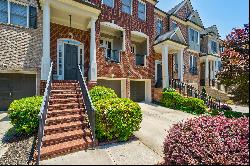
[16, 86]
[137, 91]
[113, 84]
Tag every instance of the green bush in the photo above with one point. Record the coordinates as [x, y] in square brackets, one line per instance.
[169, 90]
[228, 113]
[23, 114]
[117, 118]
[101, 92]
[175, 100]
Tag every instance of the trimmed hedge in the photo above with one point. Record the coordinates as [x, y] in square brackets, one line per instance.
[175, 100]
[23, 114]
[208, 140]
[101, 92]
[117, 118]
[228, 113]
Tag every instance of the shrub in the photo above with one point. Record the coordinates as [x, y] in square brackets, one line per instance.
[23, 114]
[208, 140]
[225, 107]
[176, 101]
[117, 118]
[101, 92]
[169, 90]
[228, 113]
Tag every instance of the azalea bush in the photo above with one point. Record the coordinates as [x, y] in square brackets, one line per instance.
[101, 92]
[23, 114]
[208, 140]
[117, 119]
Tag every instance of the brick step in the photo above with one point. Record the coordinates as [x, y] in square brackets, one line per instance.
[65, 106]
[65, 91]
[57, 138]
[66, 87]
[65, 100]
[65, 148]
[65, 119]
[63, 96]
[53, 113]
[63, 127]
[64, 81]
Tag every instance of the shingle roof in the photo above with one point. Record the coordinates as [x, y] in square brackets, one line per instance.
[171, 11]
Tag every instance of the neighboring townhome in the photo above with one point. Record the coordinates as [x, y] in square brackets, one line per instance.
[20, 50]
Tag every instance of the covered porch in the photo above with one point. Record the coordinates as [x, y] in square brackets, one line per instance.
[69, 38]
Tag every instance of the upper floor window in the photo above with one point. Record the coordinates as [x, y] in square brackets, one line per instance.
[194, 36]
[214, 46]
[174, 25]
[141, 10]
[17, 14]
[159, 27]
[127, 6]
[109, 3]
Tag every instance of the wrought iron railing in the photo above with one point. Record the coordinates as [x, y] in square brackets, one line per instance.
[190, 91]
[112, 55]
[43, 113]
[139, 59]
[87, 102]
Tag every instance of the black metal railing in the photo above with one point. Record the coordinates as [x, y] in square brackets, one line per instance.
[140, 60]
[189, 91]
[112, 55]
[193, 70]
[88, 102]
[43, 113]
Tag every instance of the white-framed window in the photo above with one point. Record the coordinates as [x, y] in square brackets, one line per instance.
[16, 13]
[174, 25]
[193, 64]
[213, 46]
[194, 36]
[127, 6]
[109, 3]
[142, 10]
[159, 27]
[133, 48]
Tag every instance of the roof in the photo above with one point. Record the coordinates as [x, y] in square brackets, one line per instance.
[174, 9]
[211, 30]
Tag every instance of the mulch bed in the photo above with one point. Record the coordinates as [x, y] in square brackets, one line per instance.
[20, 149]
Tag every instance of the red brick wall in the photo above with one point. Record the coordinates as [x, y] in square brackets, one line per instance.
[184, 12]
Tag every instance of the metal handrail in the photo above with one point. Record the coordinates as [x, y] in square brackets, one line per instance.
[43, 113]
[88, 102]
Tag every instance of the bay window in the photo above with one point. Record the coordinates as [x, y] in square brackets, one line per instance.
[194, 36]
[214, 47]
[127, 6]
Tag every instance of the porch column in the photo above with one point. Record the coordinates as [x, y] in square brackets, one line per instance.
[165, 73]
[214, 68]
[180, 66]
[45, 66]
[93, 64]
[206, 68]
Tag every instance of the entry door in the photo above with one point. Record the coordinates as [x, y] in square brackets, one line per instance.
[70, 62]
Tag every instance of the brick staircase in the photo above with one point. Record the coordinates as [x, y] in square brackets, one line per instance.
[66, 128]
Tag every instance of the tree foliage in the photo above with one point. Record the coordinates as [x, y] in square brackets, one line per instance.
[235, 61]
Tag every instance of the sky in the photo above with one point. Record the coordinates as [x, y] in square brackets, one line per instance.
[226, 14]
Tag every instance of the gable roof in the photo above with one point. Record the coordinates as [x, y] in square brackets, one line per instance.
[211, 30]
[173, 35]
[175, 9]
[195, 18]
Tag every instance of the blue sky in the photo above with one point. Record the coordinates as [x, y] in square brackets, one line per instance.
[226, 14]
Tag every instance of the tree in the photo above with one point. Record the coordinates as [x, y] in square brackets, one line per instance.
[235, 64]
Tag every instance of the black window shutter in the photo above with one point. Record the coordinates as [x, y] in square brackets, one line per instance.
[32, 17]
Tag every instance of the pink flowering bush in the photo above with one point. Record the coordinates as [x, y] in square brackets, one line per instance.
[208, 140]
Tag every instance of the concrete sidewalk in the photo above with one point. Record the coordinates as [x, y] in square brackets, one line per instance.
[4, 127]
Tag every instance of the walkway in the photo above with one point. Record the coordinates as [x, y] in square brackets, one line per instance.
[4, 127]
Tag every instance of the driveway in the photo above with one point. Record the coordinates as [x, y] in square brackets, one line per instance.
[156, 121]
[146, 150]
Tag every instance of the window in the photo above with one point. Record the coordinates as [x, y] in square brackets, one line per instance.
[174, 25]
[140, 60]
[126, 6]
[214, 47]
[17, 14]
[175, 62]
[3, 11]
[142, 10]
[159, 27]
[109, 3]
[133, 48]
[193, 65]
[194, 36]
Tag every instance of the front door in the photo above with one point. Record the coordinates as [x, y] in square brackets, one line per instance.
[70, 61]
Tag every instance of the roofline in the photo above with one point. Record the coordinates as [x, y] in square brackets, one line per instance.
[161, 11]
[171, 41]
[186, 20]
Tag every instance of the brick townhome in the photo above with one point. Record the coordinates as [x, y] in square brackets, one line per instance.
[128, 45]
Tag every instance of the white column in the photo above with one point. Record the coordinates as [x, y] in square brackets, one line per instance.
[206, 68]
[214, 68]
[45, 66]
[180, 65]
[93, 64]
[165, 73]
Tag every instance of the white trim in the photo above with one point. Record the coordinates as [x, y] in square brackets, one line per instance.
[133, 45]
[8, 12]
[141, 34]
[62, 42]
[145, 11]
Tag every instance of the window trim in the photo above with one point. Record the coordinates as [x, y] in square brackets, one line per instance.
[108, 5]
[174, 22]
[161, 20]
[145, 11]
[27, 5]
[133, 45]
[131, 7]
[216, 43]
